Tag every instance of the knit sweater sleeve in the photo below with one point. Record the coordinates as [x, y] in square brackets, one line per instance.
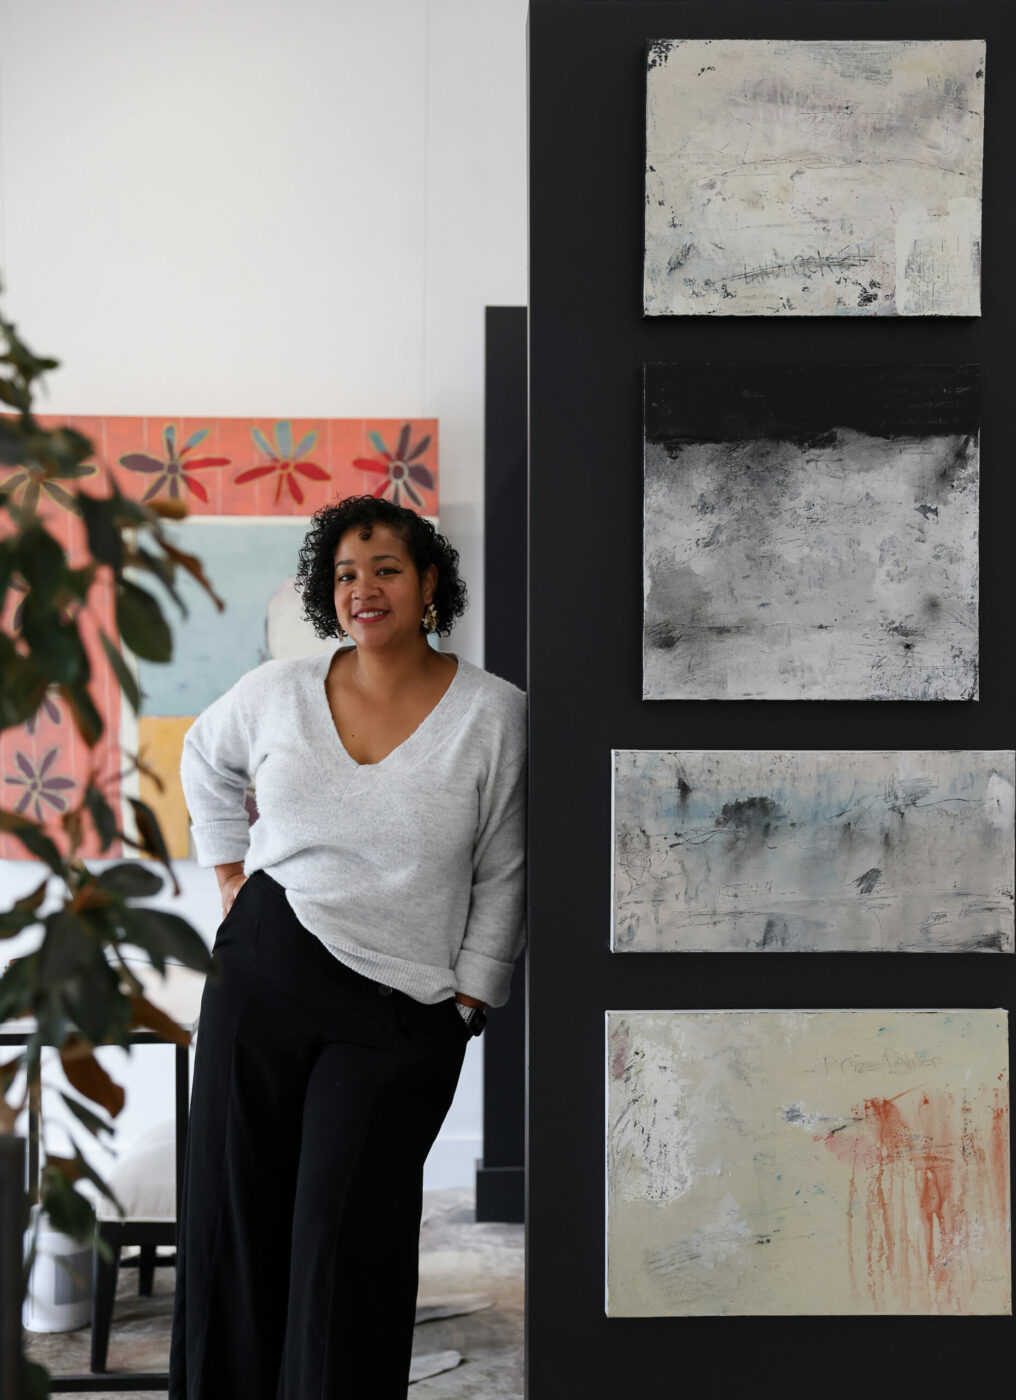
[214, 771]
[495, 929]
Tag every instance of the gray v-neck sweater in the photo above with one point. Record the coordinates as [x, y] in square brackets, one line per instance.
[411, 870]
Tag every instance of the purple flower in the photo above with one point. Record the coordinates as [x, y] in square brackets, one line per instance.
[29, 481]
[38, 787]
[50, 708]
[174, 467]
[401, 472]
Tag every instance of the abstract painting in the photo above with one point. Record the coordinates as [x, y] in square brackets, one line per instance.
[160, 744]
[45, 764]
[807, 1162]
[249, 561]
[857, 851]
[250, 486]
[813, 177]
[811, 532]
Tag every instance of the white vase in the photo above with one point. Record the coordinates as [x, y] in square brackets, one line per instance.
[59, 1296]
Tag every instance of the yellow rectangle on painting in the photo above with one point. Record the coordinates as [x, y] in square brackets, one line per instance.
[160, 743]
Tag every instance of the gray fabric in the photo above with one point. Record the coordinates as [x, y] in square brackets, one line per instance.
[411, 870]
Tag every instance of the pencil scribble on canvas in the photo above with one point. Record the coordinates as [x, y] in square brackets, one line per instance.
[807, 1162]
[814, 178]
[811, 532]
[808, 851]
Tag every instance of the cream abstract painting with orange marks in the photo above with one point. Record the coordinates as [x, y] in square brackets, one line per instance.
[807, 1162]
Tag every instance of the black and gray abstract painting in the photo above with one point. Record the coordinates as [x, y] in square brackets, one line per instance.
[905, 851]
[811, 532]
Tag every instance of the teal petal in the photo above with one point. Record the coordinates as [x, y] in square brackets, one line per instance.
[304, 446]
[284, 439]
[262, 442]
[378, 442]
[195, 438]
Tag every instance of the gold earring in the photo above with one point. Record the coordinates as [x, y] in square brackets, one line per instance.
[430, 618]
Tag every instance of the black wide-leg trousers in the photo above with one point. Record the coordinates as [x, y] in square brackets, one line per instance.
[317, 1095]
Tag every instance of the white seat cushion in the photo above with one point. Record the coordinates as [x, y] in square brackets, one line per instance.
[144, 1177]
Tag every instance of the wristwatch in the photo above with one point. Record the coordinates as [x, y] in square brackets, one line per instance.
[474, 1017]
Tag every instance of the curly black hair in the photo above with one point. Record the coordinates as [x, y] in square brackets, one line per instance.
[315, 573]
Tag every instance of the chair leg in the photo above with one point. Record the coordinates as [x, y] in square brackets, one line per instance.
[103, 1293]
[146, 1271]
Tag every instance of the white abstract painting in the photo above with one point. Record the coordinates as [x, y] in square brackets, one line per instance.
[807, 1162]
[813, 177]
[807, 851]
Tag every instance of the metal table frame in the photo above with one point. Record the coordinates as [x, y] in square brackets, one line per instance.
[107, 1380]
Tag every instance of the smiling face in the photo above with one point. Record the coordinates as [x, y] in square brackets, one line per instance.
[379, 596]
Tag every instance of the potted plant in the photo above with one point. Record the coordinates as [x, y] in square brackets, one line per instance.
[76, 984]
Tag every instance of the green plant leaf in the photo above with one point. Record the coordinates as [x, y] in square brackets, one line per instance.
[163, 935]
[67, 949]
[28, 365]
[104, 539]
[94, 1002]
[68, 1210]
[12, 446]
[22, 913]
[41, 561]
[34, 839]
[128, 512]
[150, 838]
[131, 880]
[102, 815]
[164, 572]
[79, 581]
[6, 566]
[85, 1116]
[142, 624]
[22, 685]
[36, 1381]
[194, 567]
[86, 1170]
[122, 671]
[53, 1024]
[69, 451]
[17, 986]
[33, 900]
[11, 923]
[86, 717]
[55, 645]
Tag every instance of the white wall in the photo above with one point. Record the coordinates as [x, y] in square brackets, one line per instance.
[238, 207]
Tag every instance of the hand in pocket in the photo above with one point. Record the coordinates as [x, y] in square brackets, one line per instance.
[229, 890]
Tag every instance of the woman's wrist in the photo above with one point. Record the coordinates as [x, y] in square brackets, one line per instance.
[225, 873]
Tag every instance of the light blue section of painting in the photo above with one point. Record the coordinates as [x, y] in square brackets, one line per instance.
[246, 562]
[807, 851]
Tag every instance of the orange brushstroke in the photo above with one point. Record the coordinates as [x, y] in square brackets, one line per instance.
[931, 1177]
[998, 1153]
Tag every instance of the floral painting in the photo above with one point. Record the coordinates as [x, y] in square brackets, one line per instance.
[276, 472]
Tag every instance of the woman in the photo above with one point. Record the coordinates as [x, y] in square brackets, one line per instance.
[370, 914]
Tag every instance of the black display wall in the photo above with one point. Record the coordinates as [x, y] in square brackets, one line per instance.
[500, 1173]
[588, 342]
